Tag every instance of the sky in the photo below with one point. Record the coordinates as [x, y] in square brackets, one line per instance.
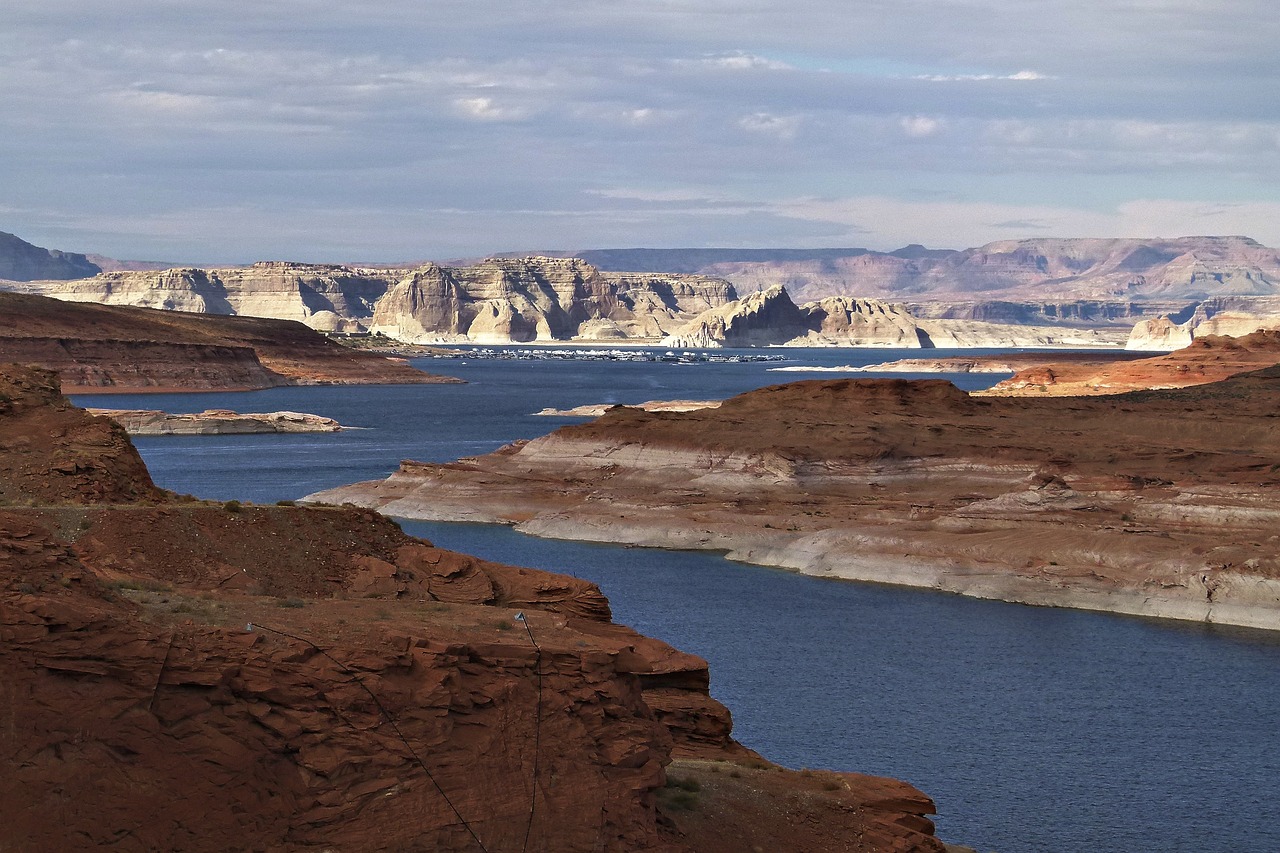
[228, 131]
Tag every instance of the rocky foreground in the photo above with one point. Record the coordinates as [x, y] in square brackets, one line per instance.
[100, 349]
[1158, 503]
[1205, 360]
[179, 675]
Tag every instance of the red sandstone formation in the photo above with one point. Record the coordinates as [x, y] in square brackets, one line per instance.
[1162, 503]
[1207, 359]
[177, 675]
[108, 348]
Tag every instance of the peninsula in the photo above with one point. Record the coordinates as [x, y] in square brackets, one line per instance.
[1160, 503]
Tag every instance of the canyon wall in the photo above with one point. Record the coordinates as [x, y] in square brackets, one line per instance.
[496, 301]
[111, 348]
[771, 318]
[182, 675]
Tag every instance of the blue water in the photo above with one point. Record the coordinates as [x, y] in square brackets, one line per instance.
[1040, 730]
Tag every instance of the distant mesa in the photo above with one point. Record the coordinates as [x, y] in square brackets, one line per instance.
[21, 261]
[1022, 293]
[105, 348]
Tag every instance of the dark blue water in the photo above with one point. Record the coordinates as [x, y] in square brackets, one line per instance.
[1035, 729]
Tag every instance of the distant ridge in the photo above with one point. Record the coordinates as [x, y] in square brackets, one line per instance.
[21, 261]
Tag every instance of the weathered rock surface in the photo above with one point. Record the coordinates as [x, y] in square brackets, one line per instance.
[496, 301]
[177, 675]
[1160, 503]
[1207, 359]
[108, 348]
[595, 410]
[1234, 317]
[21, 261]
[1004, 363]
[770, 318]
[216, 422]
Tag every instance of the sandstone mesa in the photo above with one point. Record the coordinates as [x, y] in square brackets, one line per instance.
[1154, 294]
[1160, 503]
[100, 348]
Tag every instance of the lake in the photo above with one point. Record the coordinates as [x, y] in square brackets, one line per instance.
[1034, 729]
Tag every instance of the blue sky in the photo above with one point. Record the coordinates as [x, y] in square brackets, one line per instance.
[229, 131]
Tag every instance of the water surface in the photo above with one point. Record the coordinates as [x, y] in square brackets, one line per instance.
[1042, 730]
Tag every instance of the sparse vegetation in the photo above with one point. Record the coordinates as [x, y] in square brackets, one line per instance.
[232, 506]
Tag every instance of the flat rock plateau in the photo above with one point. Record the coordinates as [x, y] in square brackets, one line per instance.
[182, 675]
[101, 348]
[1160, 502]
[1212, 358]
[216, 422]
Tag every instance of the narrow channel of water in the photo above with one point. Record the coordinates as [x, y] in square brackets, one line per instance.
[1040, 730]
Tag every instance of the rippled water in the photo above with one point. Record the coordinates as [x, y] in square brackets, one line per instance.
[1035, 729]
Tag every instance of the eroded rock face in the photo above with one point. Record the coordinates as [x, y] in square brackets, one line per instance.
[1234, 317]
[216, 422]
[106, 348]
[1161, 503]
[500, 300]
[1205, 360]
[177, 675]
[770, 318]
[21, 261]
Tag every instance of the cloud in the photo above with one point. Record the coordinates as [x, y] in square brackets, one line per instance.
[969, 78]
[919, 127]
[1050, 116]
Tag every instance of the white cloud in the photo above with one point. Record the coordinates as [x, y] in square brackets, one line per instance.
[744, 62]
[782, 127]
[919, 127]
[965, 78]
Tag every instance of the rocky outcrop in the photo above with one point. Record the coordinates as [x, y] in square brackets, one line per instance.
[1233, 316]
[21, 261]
[107, 348]
[770, 318]
[1161, 503]
[1204, 360]
[216, 422]
[500, 300]
[760, 319]
[179, 675]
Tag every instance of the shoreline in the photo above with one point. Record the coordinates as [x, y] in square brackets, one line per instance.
[931, 576]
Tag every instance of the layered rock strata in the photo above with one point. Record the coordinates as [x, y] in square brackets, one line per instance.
[216, 422]
[1097, 281]
[1207, 359]
[1159, 503]
[106, 348]
[177, 675]
[497, 301]
[1234, 317]
[771, 318]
